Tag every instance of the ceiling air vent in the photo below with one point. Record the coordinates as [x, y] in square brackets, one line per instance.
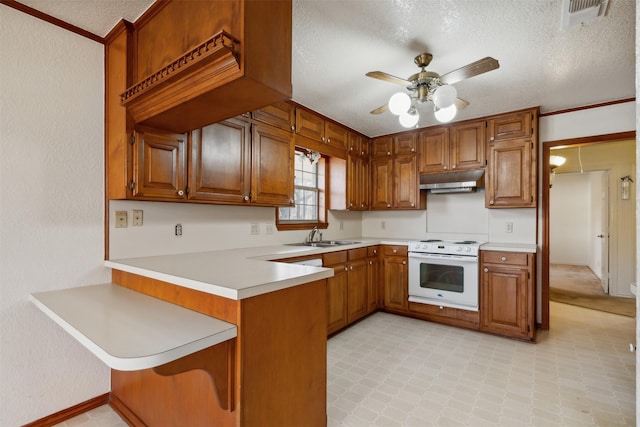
[581, 12]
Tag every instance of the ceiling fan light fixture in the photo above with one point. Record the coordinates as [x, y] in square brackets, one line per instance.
[444, 115]
[410, 118]
[399, 103]
[445, 96]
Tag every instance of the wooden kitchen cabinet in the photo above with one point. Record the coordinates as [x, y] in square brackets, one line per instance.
[373, 278]
[357, 173]
[507, 294]
[394, 174]
[395, 275]
[220, 166]
[336, 290]
[315, 127]
[459, 146]
[159, 165]
[281, 115]
[511, 178]
[357, 286]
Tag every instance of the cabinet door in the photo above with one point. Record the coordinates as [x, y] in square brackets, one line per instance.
[396, 283]
[381, 147]
[373, 282]
[434, 150]
[405, 143]
[309, 124]
[510, 177]
[281, 115]
[337, 299]
[357, 290]
[504, 306]
[467, 145]
[381, 183]
[220, 166]
[159, 165]
[336, 135]
[511, 126]
[363, 186]
[272, 166]
[405, 182]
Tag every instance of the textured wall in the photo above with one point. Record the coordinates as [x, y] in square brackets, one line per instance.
[51, 210]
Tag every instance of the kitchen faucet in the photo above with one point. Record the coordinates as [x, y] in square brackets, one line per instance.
[312, 234]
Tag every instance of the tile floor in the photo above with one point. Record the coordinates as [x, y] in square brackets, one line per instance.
[393, 371]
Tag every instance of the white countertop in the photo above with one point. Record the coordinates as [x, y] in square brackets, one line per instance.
[238, 273]
[509, 247]
[128, 330]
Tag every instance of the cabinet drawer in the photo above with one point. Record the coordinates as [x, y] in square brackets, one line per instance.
[512, 258]
[332, 258]
[399, 250]
[359, 253]
[373, 250]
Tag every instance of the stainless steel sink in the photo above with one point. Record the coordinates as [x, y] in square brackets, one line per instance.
[324, 243]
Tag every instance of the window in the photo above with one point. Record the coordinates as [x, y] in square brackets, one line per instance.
[309, 195]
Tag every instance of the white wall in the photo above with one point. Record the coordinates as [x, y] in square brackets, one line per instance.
[51, 210]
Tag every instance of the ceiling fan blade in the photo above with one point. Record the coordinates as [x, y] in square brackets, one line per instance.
[380, 109]
[461, 103]
[481, 66]
[388, 78]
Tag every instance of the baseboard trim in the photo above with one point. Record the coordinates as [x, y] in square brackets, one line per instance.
[124, 412]
[71, 412]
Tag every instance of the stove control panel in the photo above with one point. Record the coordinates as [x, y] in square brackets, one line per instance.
[465, 247]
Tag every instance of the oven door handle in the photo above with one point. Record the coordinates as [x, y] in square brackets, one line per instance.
[417, 255]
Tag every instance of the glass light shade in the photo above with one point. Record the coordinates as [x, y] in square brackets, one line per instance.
[555, 161]
[445, 96]
[399, 103]
[445, 114]
[410, 118]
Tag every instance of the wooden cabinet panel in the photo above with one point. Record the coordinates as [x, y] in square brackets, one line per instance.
[507, 294]
[337, 299]
[510, 176]
[272, 166]
[405, 143]
[467, 145]
[381, 182]
[159, 165]
[281, 115]
[336, 135]
[396, 283]
[515, 125]
[405, 182]
[309, 124]
[434, 150]
[373, 278]
[357, 290]
[220, 166]
[382, 147]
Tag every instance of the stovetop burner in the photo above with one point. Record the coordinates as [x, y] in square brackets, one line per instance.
[431, 240]
[465, 242]
[452, 247]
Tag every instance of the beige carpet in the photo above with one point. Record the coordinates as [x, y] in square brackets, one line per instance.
[577, 285]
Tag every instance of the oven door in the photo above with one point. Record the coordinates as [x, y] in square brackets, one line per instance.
[446, 280]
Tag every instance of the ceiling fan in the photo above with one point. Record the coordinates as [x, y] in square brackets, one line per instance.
[426, 86]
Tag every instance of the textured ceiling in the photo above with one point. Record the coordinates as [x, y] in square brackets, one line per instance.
[336, 42]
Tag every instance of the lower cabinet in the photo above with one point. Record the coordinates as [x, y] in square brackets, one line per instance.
[373, 278]
[507, 294]
[357, 286]
[395, 276]
[336, 290]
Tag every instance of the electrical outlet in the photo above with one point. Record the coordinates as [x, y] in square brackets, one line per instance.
[383, 225]
[255, 229]
[136, 218]
[268, 228]
[341, 225]
[178, 229]
[508, 227]
[121, 219]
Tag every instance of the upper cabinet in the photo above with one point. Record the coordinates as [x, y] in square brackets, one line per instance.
[232, 56]
[459, 146]
[512, 147]
[315, 129]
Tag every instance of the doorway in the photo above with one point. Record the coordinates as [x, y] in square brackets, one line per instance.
[599, 143]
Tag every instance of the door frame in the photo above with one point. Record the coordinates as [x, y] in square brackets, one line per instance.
[546, 151]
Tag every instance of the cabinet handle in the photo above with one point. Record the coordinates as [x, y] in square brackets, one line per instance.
[490, 202]
[375, 252]
[453, 167]
[293, 127]
[404, 262]
[245, 198]
[345, 268]
[180, 193]
[413, 150]
[351, 267]
[491, 139]
[291, 201]
[328, 139]
[413, 205]
[504, 258]
[388, 153]
[446, 167]
[388, 206]
[486, 270]
[322, 139]
[395, 251]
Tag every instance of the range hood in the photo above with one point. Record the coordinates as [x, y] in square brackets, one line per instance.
[452, 182]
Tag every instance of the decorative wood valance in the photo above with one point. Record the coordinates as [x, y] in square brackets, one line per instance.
[221, 44]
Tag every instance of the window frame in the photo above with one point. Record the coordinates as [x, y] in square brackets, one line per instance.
[321, 223]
